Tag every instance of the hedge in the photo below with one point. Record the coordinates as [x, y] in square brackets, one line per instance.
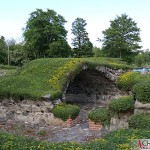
[141, 91]
[100, 115]
[64, 111]
[127, 80]
[122, 104]
[140, 121]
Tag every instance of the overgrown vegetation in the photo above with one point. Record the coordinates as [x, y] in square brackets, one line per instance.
[64, 111]
[43, 76]
[127, 80]
[121, 105]
[140, 121]
[100, 115]
[117, 140]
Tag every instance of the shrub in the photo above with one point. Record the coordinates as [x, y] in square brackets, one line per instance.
[122, 104]
[127, 80]
[64, 111]
[142, 91]
[100, 116]
[140, 121]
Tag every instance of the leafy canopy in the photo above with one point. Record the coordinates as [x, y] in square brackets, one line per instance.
[42, 29]
[122, 38]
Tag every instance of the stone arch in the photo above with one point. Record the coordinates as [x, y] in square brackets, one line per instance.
[93, 86]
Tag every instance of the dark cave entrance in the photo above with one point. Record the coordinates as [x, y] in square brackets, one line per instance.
[91, 86]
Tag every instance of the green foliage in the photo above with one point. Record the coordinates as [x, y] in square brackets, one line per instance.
[64, 111]
[3, 50]
[122, 38]
[59, 49]
[43, 76]
[82, 45]
[141, 91]
[18, 55]
[127, 80]
[43, 28]
[140, 121]
[123, 139]
[143, 59]
[98, 52]
[123, 104]
[100, 116]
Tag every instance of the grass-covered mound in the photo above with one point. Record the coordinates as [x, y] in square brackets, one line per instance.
[64, 111]
[100, 115]
[122, 105]
[117, 140]
[49, 76]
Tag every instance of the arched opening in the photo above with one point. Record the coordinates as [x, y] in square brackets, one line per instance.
[91, 86]
[91, 89]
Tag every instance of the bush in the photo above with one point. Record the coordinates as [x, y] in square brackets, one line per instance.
[127, 80]
[141, 91]
[140, 121]
[100, 116]
[64, 111]
[122, 104]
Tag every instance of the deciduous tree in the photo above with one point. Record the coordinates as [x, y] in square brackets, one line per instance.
[43, 28]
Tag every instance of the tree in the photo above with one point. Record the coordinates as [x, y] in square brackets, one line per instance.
[18, 55]
[143, 58]
[42, 29]
[98, 52]
[3, 50]
[122, 38]
[81, 42]
[59, 49]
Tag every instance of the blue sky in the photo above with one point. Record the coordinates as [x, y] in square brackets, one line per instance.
[97, 13]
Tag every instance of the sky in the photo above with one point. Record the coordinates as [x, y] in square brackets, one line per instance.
[97, 13]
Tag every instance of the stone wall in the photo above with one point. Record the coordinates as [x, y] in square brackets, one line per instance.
[119, 121]
[33, 112]
[141, 108]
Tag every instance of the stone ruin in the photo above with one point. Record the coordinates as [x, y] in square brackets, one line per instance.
[89, 88]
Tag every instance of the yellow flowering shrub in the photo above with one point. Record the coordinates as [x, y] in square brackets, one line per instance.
[127, 80]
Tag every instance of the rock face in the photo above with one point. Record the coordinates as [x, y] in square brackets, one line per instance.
[141, 108]
[27, 111]
[118, 122]
[93, 86]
